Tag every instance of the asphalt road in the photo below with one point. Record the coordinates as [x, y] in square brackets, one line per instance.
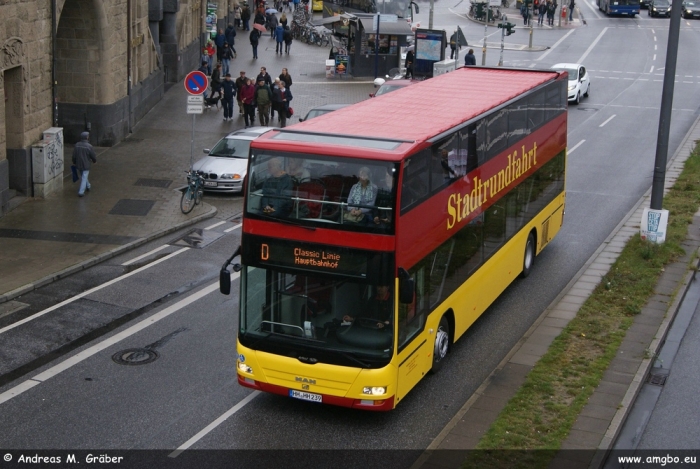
[95, 402]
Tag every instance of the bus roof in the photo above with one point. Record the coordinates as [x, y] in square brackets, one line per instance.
[426, 109]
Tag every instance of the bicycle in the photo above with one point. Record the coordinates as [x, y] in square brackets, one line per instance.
[193, 194]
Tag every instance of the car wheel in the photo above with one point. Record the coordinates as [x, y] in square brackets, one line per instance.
[442, 344]
[578, 98]
[588, 91]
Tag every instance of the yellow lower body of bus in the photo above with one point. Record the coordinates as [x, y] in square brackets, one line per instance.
[317, 5]
[362, 388]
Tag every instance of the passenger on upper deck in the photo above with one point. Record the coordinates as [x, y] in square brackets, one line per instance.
[296, 169]
[277, 190]
[384, 199]
[363, 193]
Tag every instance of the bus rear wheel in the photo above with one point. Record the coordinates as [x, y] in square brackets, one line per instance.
[442, 344]
[529, 256]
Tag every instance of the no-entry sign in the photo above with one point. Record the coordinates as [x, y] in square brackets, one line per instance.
[196, 82]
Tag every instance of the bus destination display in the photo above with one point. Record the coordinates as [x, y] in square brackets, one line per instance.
[329, 259]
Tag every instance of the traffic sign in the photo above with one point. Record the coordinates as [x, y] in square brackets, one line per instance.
[195, 109]
[197, 99]
[196, 82]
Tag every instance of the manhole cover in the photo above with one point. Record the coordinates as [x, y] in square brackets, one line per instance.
[139, 208]
[135, 356]
[658, 380]
[164, 183]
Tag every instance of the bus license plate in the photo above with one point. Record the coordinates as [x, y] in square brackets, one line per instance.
[209, 183]
[306, 396]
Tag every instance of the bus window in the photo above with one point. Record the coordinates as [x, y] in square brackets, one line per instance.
[415, 179]
[553, 103]
[445, 165]
[496, 132]
[481, 143]
[494, 228]
[517, 122]
[535, 109]
[467, 147]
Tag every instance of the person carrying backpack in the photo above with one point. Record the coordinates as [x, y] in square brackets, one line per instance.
[287, 36]
[279, 37]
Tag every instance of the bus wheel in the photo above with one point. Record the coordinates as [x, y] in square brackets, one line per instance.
[442, 344]
[529, 256]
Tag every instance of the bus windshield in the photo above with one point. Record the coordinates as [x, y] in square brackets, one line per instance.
[333, 192]
[333, 320]
[400, 8]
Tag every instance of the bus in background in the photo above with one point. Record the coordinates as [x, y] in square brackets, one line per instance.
[400, 8]
[619, 7]
[374, 238]
[316, 5]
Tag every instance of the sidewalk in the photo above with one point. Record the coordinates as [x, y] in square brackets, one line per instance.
[600, 421]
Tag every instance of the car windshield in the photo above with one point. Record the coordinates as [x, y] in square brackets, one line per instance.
[386, 88]
[661, 3]
[316, 112]
[690, 4]
[231, 147]
[573, 73]
[340, 193]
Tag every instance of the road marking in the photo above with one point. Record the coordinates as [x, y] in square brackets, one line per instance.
[92, 290]
[214, 424]
[136, 259]
[590, 48]
[652, 67]
[90, 351]
[575, 147]
[215, 225]
[609, 119]
[555, 45]
[652, 30]
[654, 38]
[233, 228]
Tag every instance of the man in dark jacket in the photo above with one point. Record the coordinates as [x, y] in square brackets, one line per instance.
[281, 96]
[83, 155]
[231, 37]
[263, 98]
[219, 40]
[469, 58]
[245, 17]
[240, 81]
[229, 87]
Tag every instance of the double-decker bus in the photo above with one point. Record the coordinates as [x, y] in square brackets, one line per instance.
[619, 7]
[375, 236]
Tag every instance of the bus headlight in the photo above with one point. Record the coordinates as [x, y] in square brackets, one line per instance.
[374, 390]
[244, 368]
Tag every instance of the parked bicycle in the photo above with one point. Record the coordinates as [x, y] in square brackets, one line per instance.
[193, 194]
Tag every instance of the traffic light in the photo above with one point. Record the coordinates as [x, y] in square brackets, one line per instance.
[509, 27]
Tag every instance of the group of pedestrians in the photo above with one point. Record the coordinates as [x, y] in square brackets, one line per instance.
[542, 9]
[264, 95]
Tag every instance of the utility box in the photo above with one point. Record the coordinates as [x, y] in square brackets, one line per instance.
[47, 163]
[444, 66]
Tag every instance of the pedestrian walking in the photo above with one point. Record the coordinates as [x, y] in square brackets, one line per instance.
[283, 20]
[572, 5]
[524, 11]
[542, 11]
[274, 86]
[219, 41]
[206, 61]
[273, 22]
[551, 10]
[254, 38]
[237, 16]
[248, 98]
[294, 5]
[83, 157]
[453, 45]
[286, 77]
[226, 58]
[280, 101]
[229, 88]
[409, 64]
[288, 38]
[245, 16]
[231, 38]
[469, 58]
[260, 15]
[279, 37]
[263, 99]
[240, 82]
[216, 80]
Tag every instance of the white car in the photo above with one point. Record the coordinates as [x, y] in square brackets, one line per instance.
[226, 165]
[579, 80]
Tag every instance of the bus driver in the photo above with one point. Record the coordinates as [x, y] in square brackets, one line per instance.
[379, 307]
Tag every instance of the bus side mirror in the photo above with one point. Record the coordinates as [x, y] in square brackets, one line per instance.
[407, 287]
[225, 275]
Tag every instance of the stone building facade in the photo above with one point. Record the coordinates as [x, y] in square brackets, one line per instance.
[97, 65]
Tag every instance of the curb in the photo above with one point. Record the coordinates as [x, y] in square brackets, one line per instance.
[102, 257]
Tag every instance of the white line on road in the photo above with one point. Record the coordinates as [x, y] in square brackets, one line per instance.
[90, 351]
[590, 48]
[233, 228]
[92, 290]
[653, 59]
[654, 38]
[652, 67]
[608, 120]
[575, 147]
[214, 424]
[215, 225]
[136, 259]
[652, 31]
[555, 45]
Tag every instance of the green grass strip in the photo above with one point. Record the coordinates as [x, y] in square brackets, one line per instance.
[542, 412]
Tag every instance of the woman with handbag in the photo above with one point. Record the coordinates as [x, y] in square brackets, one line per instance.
[281, 96]
[363, 194]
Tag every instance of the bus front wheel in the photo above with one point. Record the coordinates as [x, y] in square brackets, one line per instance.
[442, 344]
[529, 256]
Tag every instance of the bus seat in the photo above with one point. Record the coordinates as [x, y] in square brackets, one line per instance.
[313, 190]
